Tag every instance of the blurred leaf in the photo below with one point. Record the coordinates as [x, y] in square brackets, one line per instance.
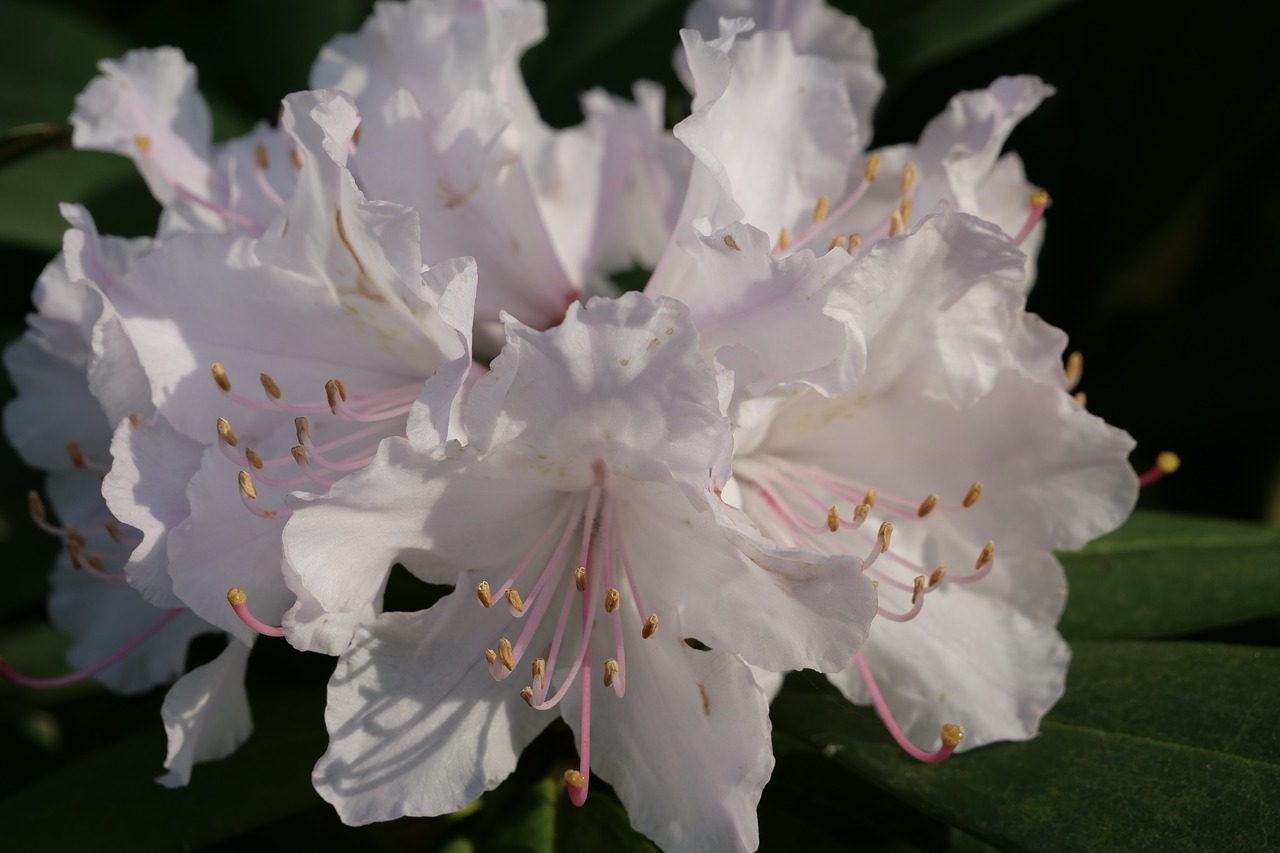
[588, 33]
[29, 138]
[529, 823]
[30, 192]
[116, 801]
[946, 28]
[1145, 730]
[1164, 574]
[599, 824]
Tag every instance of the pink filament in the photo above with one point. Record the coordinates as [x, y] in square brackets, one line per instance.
[882, 708]
[242, 610]
[10, 674]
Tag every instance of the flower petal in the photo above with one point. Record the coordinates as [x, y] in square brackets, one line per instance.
[206, 714]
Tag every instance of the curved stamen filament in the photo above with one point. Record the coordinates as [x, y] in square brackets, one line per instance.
[822, 212]
[1039, 201]
[262, 165]
[951, 734]
[239, 601]
[8, 673]
[1166, 464]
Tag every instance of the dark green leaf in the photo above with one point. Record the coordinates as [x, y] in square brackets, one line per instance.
[599, 824]
[1163, 747]
[1164, 574]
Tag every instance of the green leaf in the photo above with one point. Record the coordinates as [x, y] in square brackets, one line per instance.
[1164, 574]
[1127, 757]
[945, 28]
[601, 823]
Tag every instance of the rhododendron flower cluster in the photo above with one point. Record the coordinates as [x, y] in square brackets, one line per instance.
[381, 333]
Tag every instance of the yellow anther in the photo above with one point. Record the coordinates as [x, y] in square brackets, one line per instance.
[905, 207]
[226, 433]
[870, 499]
[113, 530]
[96, 562]
[833, 519]
[246, 485]
[873, 168]
[574, 779]
[269, 385]
[1168, 462]
[611, 599]
[580, 578]
[838, 243]
[1040, 198]
[611, 671]
[220, 377]
[821, 209]
[910, 175]
[938, 574]
[36, 506]
[490, 656]
[732, 243]
[987, 555]
[143, 143]
[526, 693]
[237, 597]
[76, 453]
[260, 155]
[336, 393]
[1082, 399]
[75, 538]
[1074, 369]
[254, 459]
[133, 419]
[300, 454]
[927, 506]
[302, 427]
[860, 513]
[540, 672]
[952, 735]
[896, 225]
[855, 242]
[971, 496]
[295, 158]
[650, 626]
[504, 652]
[885, 534]
[356, 134]
[918, 590]
[784, 238]
[514, 602]
[482, 593]
[875, 584]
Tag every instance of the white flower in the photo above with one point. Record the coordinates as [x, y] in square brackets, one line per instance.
[585, 506]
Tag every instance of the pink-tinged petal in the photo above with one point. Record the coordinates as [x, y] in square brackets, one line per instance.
[772, 322]
[151, 465]
[687, 749]
[417, 725]
[1004, 198]
[795, 112]
[969, 659]
[206, 714]
[449, 295]
[817, 30]
[770, 682]
[621, 380]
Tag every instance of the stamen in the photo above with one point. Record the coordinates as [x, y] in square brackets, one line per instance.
[580, 578]
[909, 177]
[885, 534]
[1166, 464]
[246, 485]
[732, 243]
[260, 156]
[1081, 399]
[8, 673]
[896, 225]
[610, 672]
[336, 392]
[239, 599]
[540, 672]
[905, 209]
[872, 169]
[248, 494]
[951, 734]
[226, 433]
[784, 239]
[526, 693]
[840, 242]
[113, 530]
[1039, 201]
[855, 242]
[821, 209]
[1074, 369]
[251, 456]
[833, 519]
[984, 564]
[504, 652]
[917, 602]
[514, 604]
[76, 453]
[482, 592]
[221, 378]
[927, 506]
[971, 496]
[611, 599]
[870, 499]
[650, 626]
[860, 513]
[36, 507]
[269, 385]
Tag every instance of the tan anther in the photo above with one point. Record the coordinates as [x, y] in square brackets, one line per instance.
[482, 593]
[540, 672]
[918, 589]
[302, 428]
[938, 574]
[526, 693]
[833, 519]
[113, 530]
[75, 537]
[143, 143]
[821, 209]
[971, 496]
[927, 506]
[574, 779]
[875, 584]
[896, 224]
[732, 243]
[650, 626]
[952, 735]
[1168, 462]
[885, 535]
[300, 454]
[226, 433]
[504, 652]
[905, 207]
[260, 155]
[236, 597]
[96, 563]
[855, 242]
[133, 419]
[1082, 399]
[910, 175]
[1074, 369]
[611, 671]
[335, 393]
[269, 385]
[490, 656]
[356, 134]
[838, 243]
[295, 158]
[987, 555]
[1040, 198]
[784, 238]
[870, 499]
[514, 602]
[611, 599]
[873, 168]
[76, 453]
[36, 506]
[580, 578]
[860, 513]
[246, 485]
[254, 459]
[74, 551]
[220, 377]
